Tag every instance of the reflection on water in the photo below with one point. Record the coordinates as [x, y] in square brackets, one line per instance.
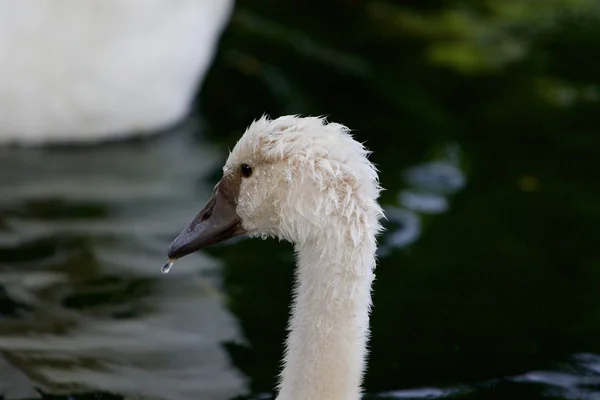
[579, 380]
[84, 306]
[429, 185]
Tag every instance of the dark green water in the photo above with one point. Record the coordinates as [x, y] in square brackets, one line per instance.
[483, 122]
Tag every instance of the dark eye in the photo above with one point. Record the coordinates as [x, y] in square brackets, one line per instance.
[246, 170]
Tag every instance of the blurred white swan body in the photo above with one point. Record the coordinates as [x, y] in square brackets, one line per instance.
[311, 184]
[87, 70]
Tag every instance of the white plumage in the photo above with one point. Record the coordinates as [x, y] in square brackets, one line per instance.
[313, 185]
[89, 70]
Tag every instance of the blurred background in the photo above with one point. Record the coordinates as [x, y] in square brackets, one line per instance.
[116, 118]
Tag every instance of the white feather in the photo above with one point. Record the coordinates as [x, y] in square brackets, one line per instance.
[314, 186]
[89, 70]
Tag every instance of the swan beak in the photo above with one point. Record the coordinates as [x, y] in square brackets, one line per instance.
[216, 222]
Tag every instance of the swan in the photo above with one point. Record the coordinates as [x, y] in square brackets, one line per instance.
[307, 181]
[76, 71]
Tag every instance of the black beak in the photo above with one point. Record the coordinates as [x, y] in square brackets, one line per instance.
[216, 222]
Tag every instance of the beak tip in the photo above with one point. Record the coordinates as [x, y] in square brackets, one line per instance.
[172, 253]
[177, 249]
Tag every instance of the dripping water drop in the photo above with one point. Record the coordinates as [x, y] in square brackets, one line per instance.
[167, 267]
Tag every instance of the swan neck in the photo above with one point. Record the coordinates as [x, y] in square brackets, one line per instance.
[329, 326]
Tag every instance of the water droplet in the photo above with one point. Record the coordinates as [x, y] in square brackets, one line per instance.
[167, 267]
[264, 236]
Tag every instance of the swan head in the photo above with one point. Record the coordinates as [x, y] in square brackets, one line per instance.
[292, 178]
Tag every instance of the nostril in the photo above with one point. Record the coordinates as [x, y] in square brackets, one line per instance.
[206, 215]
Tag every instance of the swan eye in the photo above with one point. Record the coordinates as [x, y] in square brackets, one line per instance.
[246, 170]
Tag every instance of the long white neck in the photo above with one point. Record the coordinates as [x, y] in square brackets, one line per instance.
[329, 326]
